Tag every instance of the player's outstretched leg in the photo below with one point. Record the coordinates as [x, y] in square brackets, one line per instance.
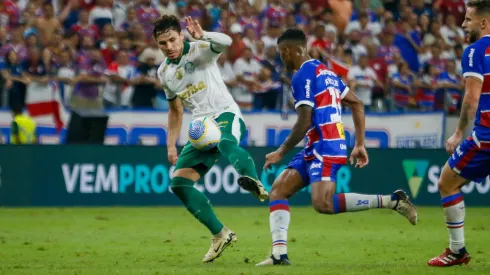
[200, 207]
[244, 165]
[353, 202]
[286, 185]
[453, 204]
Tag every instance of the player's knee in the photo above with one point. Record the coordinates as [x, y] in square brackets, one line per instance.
[275, 193]
[323, 207]
[227, 143]
[179, 182]
[444, 187]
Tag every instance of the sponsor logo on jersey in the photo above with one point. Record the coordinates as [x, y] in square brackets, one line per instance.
[470, 57]
[307, 88]
[192, 89]
[316, 165]
[189, 67]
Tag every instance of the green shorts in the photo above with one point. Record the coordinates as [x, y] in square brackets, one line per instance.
[202, 161]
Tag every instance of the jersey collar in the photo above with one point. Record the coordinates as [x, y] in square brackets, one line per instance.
[187, 46]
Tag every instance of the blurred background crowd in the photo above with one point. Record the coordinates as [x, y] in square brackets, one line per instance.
[396, 55]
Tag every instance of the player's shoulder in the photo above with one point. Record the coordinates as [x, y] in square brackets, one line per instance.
[312, 68]
[481, 46]
[162, 68]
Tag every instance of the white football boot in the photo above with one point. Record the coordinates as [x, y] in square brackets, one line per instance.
[218, 245]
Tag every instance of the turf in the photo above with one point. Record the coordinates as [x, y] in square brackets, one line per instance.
[163, 240]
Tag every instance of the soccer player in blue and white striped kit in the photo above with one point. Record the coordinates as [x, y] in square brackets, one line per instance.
[470, 160]
[318, 94]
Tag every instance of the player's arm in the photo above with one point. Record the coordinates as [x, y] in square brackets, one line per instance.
[175, 115]
[219, 41]
[303, 102]
[357, 107]
[472, 63]
[299, 130]
[472, 88]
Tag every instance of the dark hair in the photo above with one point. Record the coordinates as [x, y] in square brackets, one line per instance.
[166, 23]
[481, 6]
[17, 109]
[293, 34]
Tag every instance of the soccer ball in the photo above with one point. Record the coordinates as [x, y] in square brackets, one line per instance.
[204, 133]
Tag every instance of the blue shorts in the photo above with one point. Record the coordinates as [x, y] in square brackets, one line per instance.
[471, 160]
[314, 170]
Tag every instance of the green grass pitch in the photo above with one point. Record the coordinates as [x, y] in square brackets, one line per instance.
[164, 240]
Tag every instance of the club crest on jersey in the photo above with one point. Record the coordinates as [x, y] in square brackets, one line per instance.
[189, 67]
[179, 73]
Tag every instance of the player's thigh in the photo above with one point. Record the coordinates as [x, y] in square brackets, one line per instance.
[232, 126]
[323, 177]
[468, 163]
[194, 164]
[291, 180]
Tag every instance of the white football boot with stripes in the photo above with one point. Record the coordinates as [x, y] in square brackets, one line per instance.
[219, 244]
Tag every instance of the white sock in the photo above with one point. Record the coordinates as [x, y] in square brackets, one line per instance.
[279, 222]
[454, 212]
[352, 202]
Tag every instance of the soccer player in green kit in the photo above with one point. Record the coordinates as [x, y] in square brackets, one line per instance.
[190, 78]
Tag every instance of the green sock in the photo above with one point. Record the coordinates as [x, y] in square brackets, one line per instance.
[196, 203]
[238, 157]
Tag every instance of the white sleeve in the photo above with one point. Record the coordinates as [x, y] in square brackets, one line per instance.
[219, 41]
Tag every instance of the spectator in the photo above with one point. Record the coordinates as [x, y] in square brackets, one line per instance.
[250, 21]
[428, 86]
[66, 74]
[101, 14]
[146, 14]
[145, 83]
[120, 73]
[458, 52]
[84, 28]
[90, 76]
[119, 11]
[246, 70]
[303, 16]
[387, 49]
[130, 20]
[167, 7]
[238, 45]
[452, 33]
[355, 45]
[15, 84]
[364, 26]
[403, 87]
[227, 73]
[273, 32]
[362, 79]
[12, 12]
[453, 84]
[456, 8]
[319, 40]
[48, 24]
[22, 128]
[15, 44]
[267, 91]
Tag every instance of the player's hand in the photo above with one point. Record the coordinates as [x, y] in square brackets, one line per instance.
[194, 28]
[272, 158]
[452, 142]
[360, 155]
[172, 155]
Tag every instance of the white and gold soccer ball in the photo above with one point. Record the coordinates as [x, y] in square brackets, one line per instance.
[204, 133]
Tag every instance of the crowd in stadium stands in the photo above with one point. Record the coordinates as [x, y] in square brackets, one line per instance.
[396, 55]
